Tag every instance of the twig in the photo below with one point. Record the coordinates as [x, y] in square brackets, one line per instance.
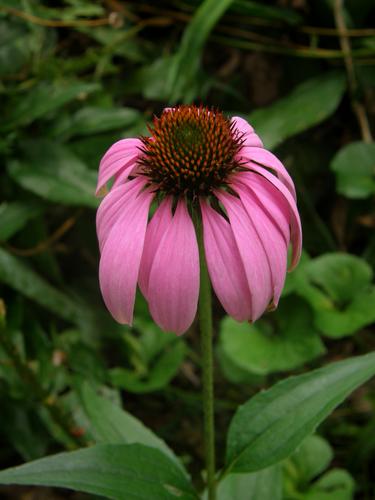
[317, 30]
[55, 23]
[44, 245]
[357, 106]
[299, 51]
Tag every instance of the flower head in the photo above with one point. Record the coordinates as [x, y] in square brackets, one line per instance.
[195, 159]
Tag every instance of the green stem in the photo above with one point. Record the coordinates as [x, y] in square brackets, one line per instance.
[205, 324]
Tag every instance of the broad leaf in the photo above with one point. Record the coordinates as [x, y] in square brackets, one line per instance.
[111, 424]
[336, 484]
[354, 166]
[311, 458]
[272, 424]
[307, 463]
[121, 472]
[262, 485]
[283, 341]
[308, 104]
[338, 286]
[54, 173]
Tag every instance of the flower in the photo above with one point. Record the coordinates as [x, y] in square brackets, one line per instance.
[195, 159]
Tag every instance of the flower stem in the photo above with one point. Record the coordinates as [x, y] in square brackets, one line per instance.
[205, 324]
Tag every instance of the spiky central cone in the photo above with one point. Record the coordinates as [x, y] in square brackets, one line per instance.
[191, 150]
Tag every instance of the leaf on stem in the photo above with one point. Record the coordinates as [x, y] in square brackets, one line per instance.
[118, 471]
[272, 424]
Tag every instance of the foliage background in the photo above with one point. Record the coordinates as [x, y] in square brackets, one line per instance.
[74, 77]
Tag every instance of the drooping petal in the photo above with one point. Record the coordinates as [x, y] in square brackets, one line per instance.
[120, 156]
[273, 242]
[156, 229]
[271, 200]
[253, 255]
[173, 288]
[295, 222]
[250, 137]
[268, 160]
[224, 264]
[114, 205]
[121, 257]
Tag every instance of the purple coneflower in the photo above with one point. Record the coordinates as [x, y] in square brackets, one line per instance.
[195, 160]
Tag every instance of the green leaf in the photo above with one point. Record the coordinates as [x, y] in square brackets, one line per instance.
[311, 458]
[43, 99]
[15, 273]
[339, 275]
[338, 286]
[20, 427]
[281, 341]
[354, 166]
[185, 65]
[53, 172]
[305, 464]
[14, 48]
[234, 373]
[111, 424]
[258, 9]
[263, 485]
[160, 373]
[308, 104]
[272, 424]
[92, 120]
[337, 484]
[14, 216]
[121, 472]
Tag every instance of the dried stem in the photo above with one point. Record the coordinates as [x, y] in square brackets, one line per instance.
[357, 106]
[55, 23]
[47, 243]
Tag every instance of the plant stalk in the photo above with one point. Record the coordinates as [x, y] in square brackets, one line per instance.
[205, 324]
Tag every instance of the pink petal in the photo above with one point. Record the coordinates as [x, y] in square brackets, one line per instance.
[121, 257]
[114, 206]
[250, 137]
[266, 159]
[254, 258]
[224, 264]
[125, 173]
[156, 229]
[120, 156]
[295, 222]
[272, 239]
[271, 200]
[174, 278]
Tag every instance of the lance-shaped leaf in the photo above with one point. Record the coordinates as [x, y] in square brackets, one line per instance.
[118, 471]
[272, 424]
[308, 104]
